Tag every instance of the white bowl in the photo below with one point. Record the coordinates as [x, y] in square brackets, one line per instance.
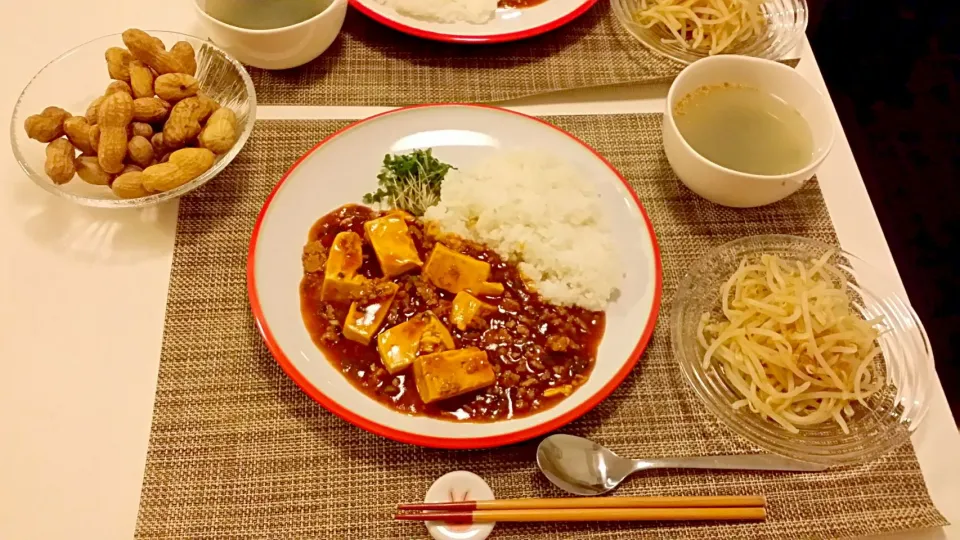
[341, 168]
[734, 188]
[278, 48]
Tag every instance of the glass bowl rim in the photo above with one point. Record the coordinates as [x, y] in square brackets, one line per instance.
[41, 180]
[730, 418]
[795, 38]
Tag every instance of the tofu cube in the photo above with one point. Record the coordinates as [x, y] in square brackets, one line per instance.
[457, 272]
[465, 308]
[340, 279]
[488, 289]
[365, 317]
[399, 346]
[452, 373]
[391, 241]
[346, 254]
[341, 289]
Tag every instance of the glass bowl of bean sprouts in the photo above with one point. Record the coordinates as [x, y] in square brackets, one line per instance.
[803, 349]
[687, 30]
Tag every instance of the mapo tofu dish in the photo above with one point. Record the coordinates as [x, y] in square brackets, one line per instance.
[432, 324]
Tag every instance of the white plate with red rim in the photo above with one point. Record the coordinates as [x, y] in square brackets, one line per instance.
[344, 166]
[508, 24]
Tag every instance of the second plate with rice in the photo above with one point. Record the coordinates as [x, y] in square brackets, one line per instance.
[473, 21]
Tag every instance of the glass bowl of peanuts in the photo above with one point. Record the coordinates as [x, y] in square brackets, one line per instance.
[133, 119]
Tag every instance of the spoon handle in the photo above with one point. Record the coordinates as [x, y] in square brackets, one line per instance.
[756, 462]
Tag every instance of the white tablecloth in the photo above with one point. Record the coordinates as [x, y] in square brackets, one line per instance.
[83, 292]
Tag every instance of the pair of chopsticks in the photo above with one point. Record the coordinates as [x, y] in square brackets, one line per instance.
[718, 508]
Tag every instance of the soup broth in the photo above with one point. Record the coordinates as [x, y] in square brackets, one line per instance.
[745, 129]
[263, 14]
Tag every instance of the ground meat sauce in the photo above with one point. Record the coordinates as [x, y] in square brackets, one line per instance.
[541, 352]
[519, 3]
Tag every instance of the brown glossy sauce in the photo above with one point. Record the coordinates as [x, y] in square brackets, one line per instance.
[519, 3]
[533, 346]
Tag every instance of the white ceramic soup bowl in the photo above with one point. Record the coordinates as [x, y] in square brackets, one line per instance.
[278, 48]
[734, 188]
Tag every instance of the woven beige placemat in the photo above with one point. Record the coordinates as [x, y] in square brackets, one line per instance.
[238, 451]
[371, 64]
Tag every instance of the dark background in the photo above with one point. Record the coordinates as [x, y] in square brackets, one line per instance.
[892, 69]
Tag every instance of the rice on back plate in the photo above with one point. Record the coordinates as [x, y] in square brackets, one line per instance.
[447, 11]
[534, 209]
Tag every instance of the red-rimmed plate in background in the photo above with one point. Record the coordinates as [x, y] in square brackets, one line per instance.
[509, 24]
[341, 168]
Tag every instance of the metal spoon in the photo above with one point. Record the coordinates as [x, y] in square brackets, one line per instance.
[583, 467]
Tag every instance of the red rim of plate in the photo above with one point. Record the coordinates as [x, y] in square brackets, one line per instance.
[427, 440]
[458, 38]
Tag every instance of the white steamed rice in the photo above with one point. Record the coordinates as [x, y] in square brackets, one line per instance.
[534, 209]
[447, 11]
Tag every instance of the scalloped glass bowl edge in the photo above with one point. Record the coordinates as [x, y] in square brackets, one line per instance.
[786, 24]
[908, 359]
[83, 70]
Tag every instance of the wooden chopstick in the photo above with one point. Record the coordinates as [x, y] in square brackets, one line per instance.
[591, 514]
[594, 502]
